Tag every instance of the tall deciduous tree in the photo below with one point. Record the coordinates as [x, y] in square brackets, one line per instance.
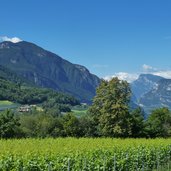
[110, 108]
[159, 123]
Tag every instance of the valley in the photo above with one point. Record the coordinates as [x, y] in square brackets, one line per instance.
[85, 85]
[45, 99]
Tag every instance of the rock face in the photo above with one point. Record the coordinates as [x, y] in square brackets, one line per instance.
[47, 69]
[11, 76]
[159, 96]
[144, 84]
[152, 92]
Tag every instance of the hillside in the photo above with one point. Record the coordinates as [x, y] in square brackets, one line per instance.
[48, 70]
[14, 89]
[7, 74]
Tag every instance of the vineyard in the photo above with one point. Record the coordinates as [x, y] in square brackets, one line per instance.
[71, 154]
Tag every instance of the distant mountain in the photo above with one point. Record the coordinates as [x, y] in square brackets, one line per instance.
[144, 84]
[159, 96]
[151, 91]
[47, 69]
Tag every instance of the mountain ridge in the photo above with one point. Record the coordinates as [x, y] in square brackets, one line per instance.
[159, 96]
[144, 84]
[49, 70]
[154, 92]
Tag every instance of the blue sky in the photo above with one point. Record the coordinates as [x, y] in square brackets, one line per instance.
[109, 37]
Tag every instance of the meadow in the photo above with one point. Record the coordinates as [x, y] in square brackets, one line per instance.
[5, 104]
[79, 110]
[86, 154]
[79, 113]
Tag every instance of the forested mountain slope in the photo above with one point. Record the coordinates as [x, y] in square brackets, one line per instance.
[48, 70]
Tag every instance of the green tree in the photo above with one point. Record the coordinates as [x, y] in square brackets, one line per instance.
[110, 108]
[37, 124]
[87, 126]
[71, 125]
[158, 123]
[58, 130]
[137, 123]
[9, 125]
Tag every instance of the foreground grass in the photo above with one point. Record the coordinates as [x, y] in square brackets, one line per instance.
[85, 154]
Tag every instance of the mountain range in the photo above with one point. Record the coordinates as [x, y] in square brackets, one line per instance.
[151, 92]
[29, 64]
[46, 69]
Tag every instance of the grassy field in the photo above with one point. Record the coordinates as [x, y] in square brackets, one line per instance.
[79, 113]
[5, 104]
[85, 154]
[80, 110]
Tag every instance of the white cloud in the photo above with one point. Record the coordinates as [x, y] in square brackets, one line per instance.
[155, 71]
[147, 68]
[165, 74]
[130, 77]
[13, 39]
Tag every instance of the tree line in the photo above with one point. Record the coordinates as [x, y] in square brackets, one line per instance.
[110, 115]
